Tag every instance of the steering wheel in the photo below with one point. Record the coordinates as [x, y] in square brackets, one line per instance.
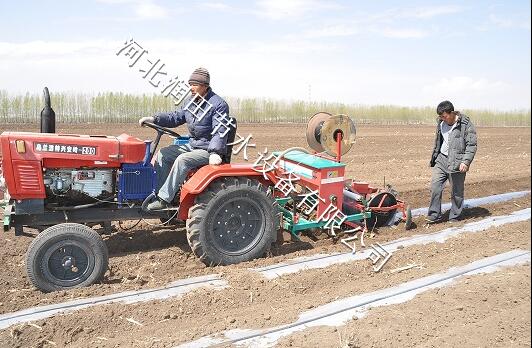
[163, 130]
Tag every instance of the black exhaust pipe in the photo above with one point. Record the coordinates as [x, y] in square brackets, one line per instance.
[47, 114]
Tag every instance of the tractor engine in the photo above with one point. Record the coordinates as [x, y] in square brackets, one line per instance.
[74, 186]
[66, 170]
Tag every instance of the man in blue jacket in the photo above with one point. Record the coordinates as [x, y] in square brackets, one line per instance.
[454, 148]
[207, 139]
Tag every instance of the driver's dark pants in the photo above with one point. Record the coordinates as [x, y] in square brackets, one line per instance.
[172, 164]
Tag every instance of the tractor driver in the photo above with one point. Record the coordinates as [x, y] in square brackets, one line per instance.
[173, 163]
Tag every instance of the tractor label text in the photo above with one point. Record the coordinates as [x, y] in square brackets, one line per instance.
[63, 148]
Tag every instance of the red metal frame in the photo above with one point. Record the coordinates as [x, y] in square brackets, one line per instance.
[338, 147]
[199, 181]
[367, 191]
[329, 182]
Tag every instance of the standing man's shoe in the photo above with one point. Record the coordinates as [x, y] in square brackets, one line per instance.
[433, 219]
[159, 204]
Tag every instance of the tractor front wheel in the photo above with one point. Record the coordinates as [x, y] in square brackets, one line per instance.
[234, 220]
[65, 256]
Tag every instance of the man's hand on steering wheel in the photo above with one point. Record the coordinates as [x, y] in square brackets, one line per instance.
[148, 121]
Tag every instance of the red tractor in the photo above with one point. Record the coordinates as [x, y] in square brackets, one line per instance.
[63, 183]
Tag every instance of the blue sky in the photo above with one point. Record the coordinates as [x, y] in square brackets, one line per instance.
[413, 53]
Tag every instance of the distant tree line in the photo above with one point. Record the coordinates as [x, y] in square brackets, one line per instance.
[112, 107]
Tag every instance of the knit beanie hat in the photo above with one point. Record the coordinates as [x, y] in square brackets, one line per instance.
[200, 76]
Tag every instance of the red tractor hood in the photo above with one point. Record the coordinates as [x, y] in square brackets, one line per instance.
[25, 155]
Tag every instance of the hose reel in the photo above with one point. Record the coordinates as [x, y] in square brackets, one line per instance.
[322, 131]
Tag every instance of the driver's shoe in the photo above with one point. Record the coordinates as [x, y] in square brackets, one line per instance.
[159, 204]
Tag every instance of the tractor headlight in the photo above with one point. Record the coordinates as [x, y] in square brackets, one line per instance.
[21, 146]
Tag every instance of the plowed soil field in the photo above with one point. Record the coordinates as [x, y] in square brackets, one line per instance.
[482, 310]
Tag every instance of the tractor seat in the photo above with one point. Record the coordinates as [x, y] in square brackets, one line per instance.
[230, 138]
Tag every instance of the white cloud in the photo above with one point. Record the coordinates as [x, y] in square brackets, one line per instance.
[479, 92]
[114, 2]
[412, 13]
[342, 30]
[143, 9]
[39, 50]
[149, 10]
[510, 21]
[392, 23]
[288, 47]
[460, 84]
[215, 5]
[401, 33]
[283, 9]
[430, 12]
[337, 30]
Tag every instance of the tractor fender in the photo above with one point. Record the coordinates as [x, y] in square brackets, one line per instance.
[198, 182]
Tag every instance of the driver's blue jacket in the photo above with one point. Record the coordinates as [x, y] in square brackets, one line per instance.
[204, 133]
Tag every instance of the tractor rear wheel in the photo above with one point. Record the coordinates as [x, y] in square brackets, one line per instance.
[234, 220]
[65, 256]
